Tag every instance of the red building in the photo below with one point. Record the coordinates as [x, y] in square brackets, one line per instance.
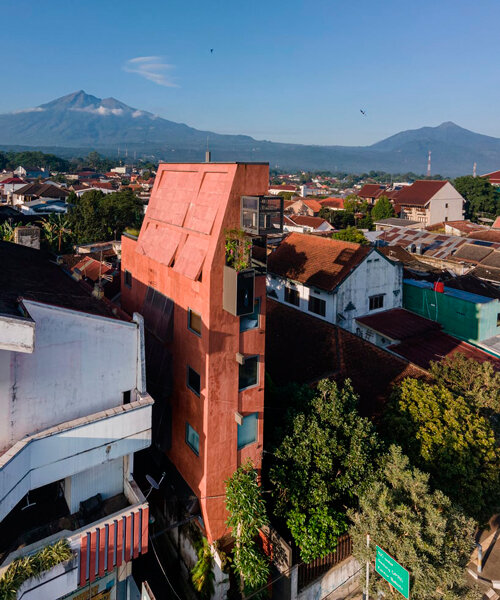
[205, 365]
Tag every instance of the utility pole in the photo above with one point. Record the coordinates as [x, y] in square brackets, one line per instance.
[429, 164]
[367, 583]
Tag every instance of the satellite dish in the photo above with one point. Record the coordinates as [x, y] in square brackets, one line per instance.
[152, 482]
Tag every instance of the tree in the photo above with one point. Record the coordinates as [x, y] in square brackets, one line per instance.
[353, 203]
[7, 230]
[383, 209]
[480, 195]
[98, 217]
[56, 231]
[477, 382]
[351, 234]
[442, 435]
[247, 515]
[420, 528]
[324, 460]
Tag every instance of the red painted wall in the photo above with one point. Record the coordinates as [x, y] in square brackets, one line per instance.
[190, 208]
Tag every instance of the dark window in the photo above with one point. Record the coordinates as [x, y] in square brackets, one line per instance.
[194, 322]
[249, 372]
[498, 320]
[251, 321]
[128, 279]
[126, 397]
[192, 439]
[247, 431]
[317, 306]
[376, 301]
[446, 205]
[193, 380]
[292, 296]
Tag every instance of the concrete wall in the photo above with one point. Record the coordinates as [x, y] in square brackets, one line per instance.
[81, 364]
[375, 275]
[446, 205]
[334, 584]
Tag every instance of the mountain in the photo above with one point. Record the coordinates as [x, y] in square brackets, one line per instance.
[80, 122]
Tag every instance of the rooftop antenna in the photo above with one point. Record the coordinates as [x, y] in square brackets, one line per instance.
[429, 164]
[118, 151]
[474, 172]
[126, 152]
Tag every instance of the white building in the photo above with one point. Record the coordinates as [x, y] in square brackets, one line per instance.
[429, 202]
[73, 410]
[334, 280]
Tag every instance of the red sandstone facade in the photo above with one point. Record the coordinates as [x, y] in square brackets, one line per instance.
[180, 253]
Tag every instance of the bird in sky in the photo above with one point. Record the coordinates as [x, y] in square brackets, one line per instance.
[211, 50]
[362, 112]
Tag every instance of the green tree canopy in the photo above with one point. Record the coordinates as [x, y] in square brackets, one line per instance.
[444, 436]
[100, 217]
[247, 515]
[325, 458]
[383, 209]
[477, 382]
[420, 528]
[351, 234]
[480, 195]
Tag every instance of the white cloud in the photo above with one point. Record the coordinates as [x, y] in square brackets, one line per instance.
[29, 110]
[138, 113]
[101, 110]
[152, 68]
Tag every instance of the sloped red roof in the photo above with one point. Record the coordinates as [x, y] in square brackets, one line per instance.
[398, 323]
[494, 176]
[490, 235]
[283, 188]
[314, 205]
[436, 345]
[333, 203]
[372, 190]
[12, 180]
[496, 224]
[314, 222]
[419, 193]
[92, 268]
[314, 261]
[305, 349]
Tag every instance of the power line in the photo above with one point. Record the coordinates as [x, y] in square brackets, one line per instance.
[163, 570]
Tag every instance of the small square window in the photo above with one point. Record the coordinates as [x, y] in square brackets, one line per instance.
[247, 431]
[193, 380]
[128, 279]
[376, 301]
[251, 321]
[498, 319]
[194, 322]
[249, 373]
[317, 306]
[292, 296]
[192, 439]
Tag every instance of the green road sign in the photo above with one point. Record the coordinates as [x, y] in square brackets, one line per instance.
[392, 572]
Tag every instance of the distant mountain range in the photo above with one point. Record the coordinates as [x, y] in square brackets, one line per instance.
[77, 123]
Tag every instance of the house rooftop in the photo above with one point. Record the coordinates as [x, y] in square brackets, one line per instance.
[31, 274]
[398, 324]
[449, 291]
[315, 261]
[419, 193]
[395, 221]
[436, 346]
[305, 349]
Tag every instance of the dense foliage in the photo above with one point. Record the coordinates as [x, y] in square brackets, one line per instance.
[32, 160]
[477, 382]
[100, 217]
[481, 197]
[351, 234]
[420, 528]
[383, 209]
[247, 515]
[34, 565]
[445, 436]
[325, 458]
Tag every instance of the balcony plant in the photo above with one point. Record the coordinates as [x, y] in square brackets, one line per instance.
[34, 565]
[238, 249]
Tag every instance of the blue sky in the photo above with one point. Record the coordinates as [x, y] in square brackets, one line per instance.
[292, 71]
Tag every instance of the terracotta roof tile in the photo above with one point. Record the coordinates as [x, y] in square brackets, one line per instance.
[419, 193]
[314, 261]
[398, 324]
[314, 222]
[332, 203]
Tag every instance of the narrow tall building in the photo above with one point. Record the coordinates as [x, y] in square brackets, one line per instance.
[205, 322]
